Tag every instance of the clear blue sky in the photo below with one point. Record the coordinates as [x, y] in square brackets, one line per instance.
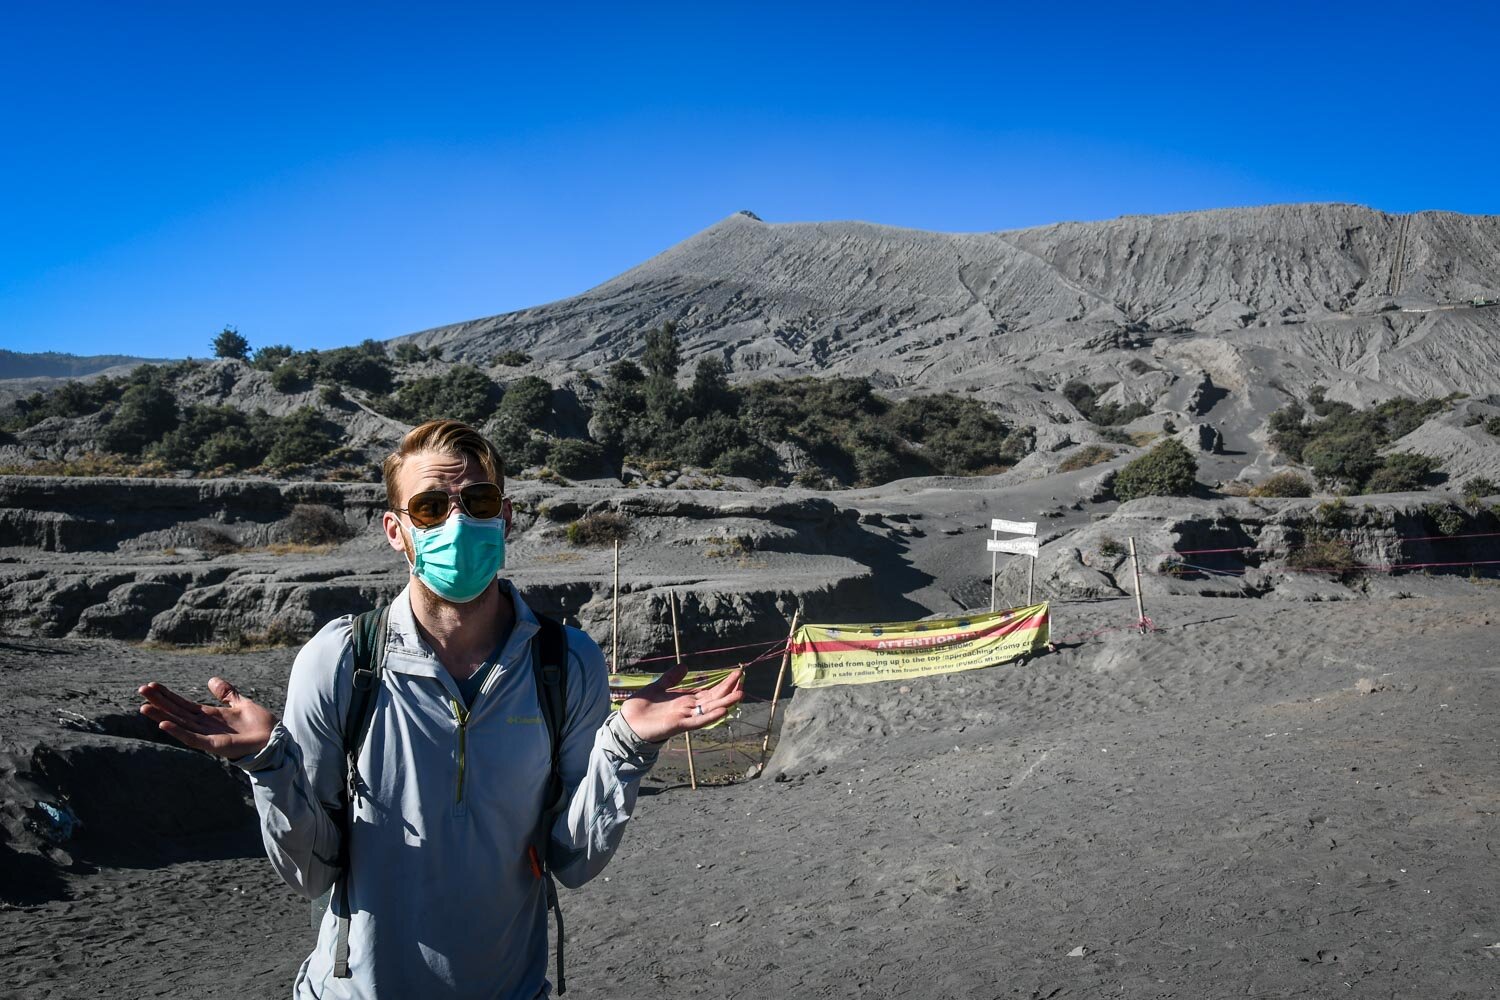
[319, 173]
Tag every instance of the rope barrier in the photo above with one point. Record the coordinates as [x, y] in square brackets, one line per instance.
[705, 652]
[1399, 541]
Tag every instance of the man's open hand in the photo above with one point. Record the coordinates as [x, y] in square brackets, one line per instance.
[656, 713]
[237, 730]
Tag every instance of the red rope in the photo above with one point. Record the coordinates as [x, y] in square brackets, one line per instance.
[705, 652]
[1400, 541]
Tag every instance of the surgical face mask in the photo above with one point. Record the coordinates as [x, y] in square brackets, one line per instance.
[458, 558]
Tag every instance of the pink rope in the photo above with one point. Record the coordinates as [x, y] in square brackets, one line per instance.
[1400, 541]
[1392, 567]
[705, 652]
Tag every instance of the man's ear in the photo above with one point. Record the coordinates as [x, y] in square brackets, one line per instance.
[507, 513]
[391, 524]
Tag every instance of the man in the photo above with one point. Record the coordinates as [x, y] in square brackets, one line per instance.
[443, 891]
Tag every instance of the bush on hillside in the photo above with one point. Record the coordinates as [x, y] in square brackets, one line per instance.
[462, 393]
[317, 524]
[1085, 399]
[1343, 447]
[145, 414]
[1283, 484]
[1476, 488]
[574, 458]
[1168, 470]
[1401, 472]
[268, 358]
[1323, 553]
[510, 359]
[601, 528]
[230, 344]
[1083, 458]
[301, 438]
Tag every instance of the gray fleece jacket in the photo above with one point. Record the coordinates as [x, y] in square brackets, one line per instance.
[442, 895]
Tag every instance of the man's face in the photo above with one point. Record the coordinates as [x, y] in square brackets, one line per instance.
[428, 470]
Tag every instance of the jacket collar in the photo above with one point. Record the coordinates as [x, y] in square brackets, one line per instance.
[409, 653]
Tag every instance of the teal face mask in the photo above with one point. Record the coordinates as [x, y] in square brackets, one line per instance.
[458, 558]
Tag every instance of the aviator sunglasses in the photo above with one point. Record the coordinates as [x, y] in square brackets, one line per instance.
[481, 501]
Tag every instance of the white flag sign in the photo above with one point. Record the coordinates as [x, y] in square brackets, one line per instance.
[1013, 527]
[1018, 546]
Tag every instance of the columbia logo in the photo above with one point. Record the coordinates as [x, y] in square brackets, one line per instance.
[525, 720]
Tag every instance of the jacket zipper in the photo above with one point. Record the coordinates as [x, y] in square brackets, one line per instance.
[461, 715]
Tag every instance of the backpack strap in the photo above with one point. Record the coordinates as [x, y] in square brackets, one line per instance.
[549, 664]
[369, 663]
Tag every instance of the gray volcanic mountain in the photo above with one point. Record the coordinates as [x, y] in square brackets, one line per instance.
[1367, 302]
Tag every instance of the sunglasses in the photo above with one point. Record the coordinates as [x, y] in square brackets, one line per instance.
[481, 501]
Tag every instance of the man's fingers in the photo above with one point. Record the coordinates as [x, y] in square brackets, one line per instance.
[725, 702]
[187, 737]
[725, 686]
[162, 695]
[206, 722]
[671, 678]
[223, 690]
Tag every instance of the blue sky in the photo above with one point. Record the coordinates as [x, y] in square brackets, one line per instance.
[315, 174]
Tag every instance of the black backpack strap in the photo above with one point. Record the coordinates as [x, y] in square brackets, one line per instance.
[549, 664]
[369, 662]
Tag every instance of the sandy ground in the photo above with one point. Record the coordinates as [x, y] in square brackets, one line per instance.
[1262, 799]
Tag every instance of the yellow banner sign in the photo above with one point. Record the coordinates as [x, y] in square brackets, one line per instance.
[825, 655]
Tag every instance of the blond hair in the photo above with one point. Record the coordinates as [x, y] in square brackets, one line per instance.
[444, 437]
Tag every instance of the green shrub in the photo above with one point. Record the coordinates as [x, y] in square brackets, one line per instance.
[462, 393]
[1169, 469]
[511, 358]
[574, 458]
[602, 528]
[1401, 472]
[1333, 514]
[1476, 488]
[1283, 484]
[1492, 426]
[301, 438]
[1085, 399]
[1448, 519]
[330, 395]
[1323, 552]
[1343, 448]
[145, 414]
[408, 353]
[1088, 455]
[269, 358]
[229, 344]
[317, 524]
[1109, 548]
[286, 377]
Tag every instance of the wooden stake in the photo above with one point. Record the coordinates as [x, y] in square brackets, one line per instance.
[1030, 576]
[786, 658]
[687, 737]
[993, 556]
[614, 632]
[1135, 568]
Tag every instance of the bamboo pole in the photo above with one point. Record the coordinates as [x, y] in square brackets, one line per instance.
[1135, 568]
[1030, 577]
[786, 657]
[687, 737]
[993, 556]
[614, 631]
